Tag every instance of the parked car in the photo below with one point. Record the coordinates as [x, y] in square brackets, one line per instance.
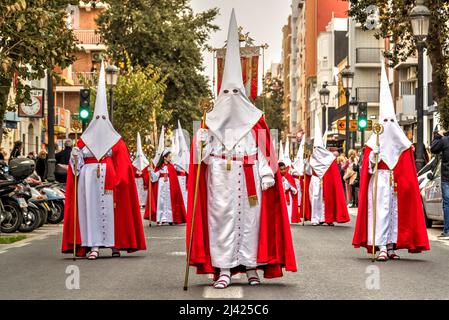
[429, 167]
[431, 194]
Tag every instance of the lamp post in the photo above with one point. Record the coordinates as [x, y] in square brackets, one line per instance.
[353, 106]
[51, 162]
[111, 80]
[347, 76]
[419, 17]
[324, 99]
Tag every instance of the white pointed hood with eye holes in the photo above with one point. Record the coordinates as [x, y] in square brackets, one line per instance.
[321, 158]
[141, 161]
[393, 140]
[298, 164]
[100, 136]
[233, 115]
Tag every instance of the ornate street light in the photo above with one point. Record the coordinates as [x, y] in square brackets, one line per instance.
[419, 17]
[348, 78]
[324, 99]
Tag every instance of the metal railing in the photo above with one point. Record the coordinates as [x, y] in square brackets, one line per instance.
[81, 78]
[368, 55]
[87, 36]
[367, 94]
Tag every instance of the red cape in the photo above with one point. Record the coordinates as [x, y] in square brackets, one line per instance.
[412, 233]
[305, 199]
[177, 201]
[335, 208]
[128, 232]
[275, 240]
[294, 198]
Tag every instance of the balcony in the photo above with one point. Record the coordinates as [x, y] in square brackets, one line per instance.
[81, 78]
[87, 37]
[368, 55]
[367, 94]
[405, 109]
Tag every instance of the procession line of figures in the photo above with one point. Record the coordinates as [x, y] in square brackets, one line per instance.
[240, 201]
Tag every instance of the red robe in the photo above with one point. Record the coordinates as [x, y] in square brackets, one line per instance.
[412, 232]
[305, 199]
[335, 208]
[176, 199]
[128, 231]
[293, 198]
[275, 240]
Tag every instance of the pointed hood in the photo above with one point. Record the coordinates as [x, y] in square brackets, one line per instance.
[393, 140]
[160, 147]
[321, 158]
[141, 161]
[182, 158]
[287, 160]
[281, 152]
[100, 136]
[298, 164]
[233, 115]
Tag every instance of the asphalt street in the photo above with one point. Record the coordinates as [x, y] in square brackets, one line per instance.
[329, 268]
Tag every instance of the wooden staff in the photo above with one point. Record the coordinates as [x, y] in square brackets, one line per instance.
[206, 106]
[377, 129]
[75, 126]
[150, 187]
[304, 188]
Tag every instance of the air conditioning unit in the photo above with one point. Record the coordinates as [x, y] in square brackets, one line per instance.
[97, 56]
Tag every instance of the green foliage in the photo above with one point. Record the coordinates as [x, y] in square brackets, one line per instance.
[274, 95]
[138, 96]
[395, 25]
[168, 35]
[33, 38]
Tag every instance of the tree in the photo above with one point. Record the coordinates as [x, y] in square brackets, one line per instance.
[33, 38]
[168, 35]
[394, 24]
[274, 95]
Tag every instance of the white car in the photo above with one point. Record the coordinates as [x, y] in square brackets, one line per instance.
[431, 196]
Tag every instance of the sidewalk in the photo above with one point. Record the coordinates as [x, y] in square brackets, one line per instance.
[39, 234]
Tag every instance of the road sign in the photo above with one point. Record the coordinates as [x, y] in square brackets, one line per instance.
[353, 125]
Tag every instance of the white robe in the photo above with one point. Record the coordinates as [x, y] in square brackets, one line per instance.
[288, 186]
[164, 211]
[183, 184]
[142, 193]
[386, 211]
[233, 223]
[316, 200]
[95, 206]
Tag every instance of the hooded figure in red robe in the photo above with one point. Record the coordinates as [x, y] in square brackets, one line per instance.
[291, 193]
[400, 222]
[140, 166]
[241, 220]
[327, 197]
[302, 172]
[108, 211]
[168, 203]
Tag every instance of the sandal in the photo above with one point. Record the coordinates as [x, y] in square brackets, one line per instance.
[93, 255]
[393, 256]
[223, 281]
[253, 278]
[331, 224]
[383, 256]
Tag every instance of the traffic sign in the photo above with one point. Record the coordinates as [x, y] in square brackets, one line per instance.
[341, 125]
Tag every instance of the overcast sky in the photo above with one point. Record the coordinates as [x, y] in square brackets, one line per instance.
[263, 19]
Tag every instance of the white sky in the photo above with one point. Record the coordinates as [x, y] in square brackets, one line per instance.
[263, 19]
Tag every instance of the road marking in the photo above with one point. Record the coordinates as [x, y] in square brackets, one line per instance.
[177, 253]
[231, 292]
[2, 251]
[166, 238]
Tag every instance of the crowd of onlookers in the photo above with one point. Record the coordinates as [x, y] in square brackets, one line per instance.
[350, 175]
[62, 156]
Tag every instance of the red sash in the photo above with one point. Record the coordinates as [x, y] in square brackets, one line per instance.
[110, 171]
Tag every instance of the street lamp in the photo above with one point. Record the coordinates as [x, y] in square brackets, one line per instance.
[324, 99]
[353, 108]
[111, 80]
[419, 17]
[348, 77]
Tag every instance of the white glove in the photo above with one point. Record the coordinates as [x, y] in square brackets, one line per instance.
[372, 155]
[202, 135]
[76, 154]
[376, 150]
[294, 191]
[267, 182]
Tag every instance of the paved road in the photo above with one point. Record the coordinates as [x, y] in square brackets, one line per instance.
[329, 268]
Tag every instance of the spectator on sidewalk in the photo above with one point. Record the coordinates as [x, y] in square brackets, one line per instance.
[16, 150]
[440, 145]
[62, 161]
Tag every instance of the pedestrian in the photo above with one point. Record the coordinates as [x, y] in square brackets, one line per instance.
[141, 174]
[16, 150]
[326, 193]
[167, 193]
[241, 219]
[440, 145]
[291, 193]
[31, 156]
[62, 161]
[398, 210]
[2, 154]
[108, 214]
[351, 178]
[41, 165]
